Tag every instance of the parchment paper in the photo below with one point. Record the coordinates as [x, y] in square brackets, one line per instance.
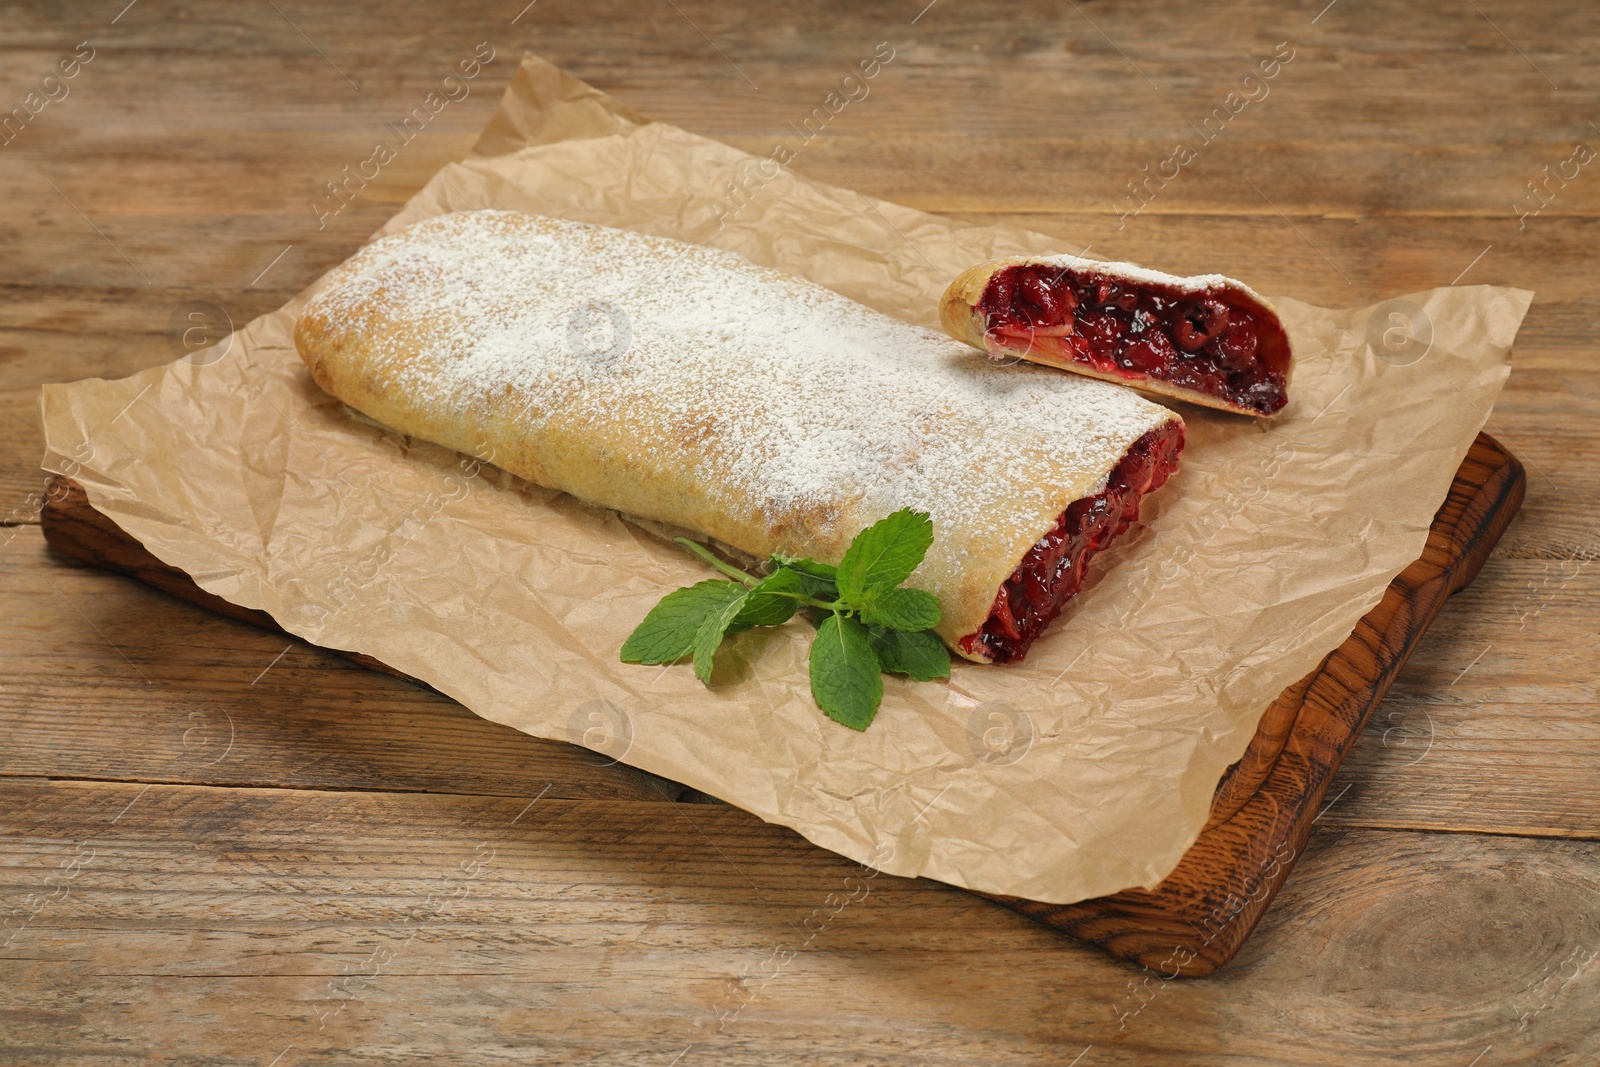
[1086, 770]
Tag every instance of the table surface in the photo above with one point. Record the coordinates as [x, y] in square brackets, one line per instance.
[221, 846]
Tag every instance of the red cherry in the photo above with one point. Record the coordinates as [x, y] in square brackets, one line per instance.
[1151, 354]
[1102, 332]
[1064, 293]
[1238, 345]
[1035, 291]
[1198, 323]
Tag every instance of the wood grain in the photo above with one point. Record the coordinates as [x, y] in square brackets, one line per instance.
[1416, 929]
[382, 927]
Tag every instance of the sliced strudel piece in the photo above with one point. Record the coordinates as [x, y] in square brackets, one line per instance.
[686, 385]
[1206, 339]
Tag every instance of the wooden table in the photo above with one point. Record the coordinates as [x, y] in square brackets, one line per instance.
[218, 846]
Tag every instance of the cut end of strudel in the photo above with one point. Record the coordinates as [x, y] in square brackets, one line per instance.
[686, 385]
[1206, 339]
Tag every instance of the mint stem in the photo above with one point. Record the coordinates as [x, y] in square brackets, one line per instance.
[705, 555]
[826, 605]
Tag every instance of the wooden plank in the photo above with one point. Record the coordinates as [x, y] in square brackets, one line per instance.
[1110, 90]
[1382, 256]
[943, 169]
[252, 219]
[622, 929]
[1265, 804]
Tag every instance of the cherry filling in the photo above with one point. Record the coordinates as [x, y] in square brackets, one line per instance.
[1053, 570]
[1215, 341]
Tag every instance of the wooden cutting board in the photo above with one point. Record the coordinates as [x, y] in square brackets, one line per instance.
[1264, 807]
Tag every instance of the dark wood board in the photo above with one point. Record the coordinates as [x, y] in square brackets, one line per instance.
[1265, 805]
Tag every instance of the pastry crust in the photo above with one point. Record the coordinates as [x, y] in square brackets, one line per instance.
[755, 408]
[961, 319]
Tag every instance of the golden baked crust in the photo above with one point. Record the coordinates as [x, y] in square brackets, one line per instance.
[961, 319]
[758, 409]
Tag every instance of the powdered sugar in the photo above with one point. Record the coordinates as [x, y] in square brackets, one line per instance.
[778, 402]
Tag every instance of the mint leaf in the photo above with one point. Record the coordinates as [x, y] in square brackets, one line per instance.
[805, 564]
[919, 654]
[668, 632]
[767, 605]
[900, 609]
[713, 628]
[884, 554]
[846, 681]
[817, 580]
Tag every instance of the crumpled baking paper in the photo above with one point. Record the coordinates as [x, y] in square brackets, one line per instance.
[1085, 770]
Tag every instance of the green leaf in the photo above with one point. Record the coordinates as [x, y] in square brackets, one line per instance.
[919, 654]
[668, 632]
[900, 609]
[845, 679]
[817, 580]
[805, 564]
[767, 605]
[713, 628]
[884, 554]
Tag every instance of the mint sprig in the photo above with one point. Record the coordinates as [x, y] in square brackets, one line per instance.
[867, 621]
